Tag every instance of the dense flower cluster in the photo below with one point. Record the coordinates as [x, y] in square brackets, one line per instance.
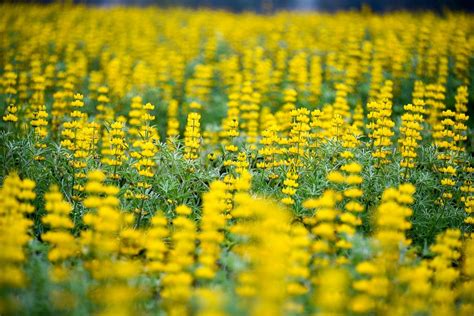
[193, 162]
[15, 197]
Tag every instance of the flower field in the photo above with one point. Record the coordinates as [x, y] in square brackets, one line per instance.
[180, 162]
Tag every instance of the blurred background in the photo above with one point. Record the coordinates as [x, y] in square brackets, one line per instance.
[268, 6]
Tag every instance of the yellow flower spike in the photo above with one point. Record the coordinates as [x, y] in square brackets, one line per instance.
[335, 177]
[183, 210]
[332, 296]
